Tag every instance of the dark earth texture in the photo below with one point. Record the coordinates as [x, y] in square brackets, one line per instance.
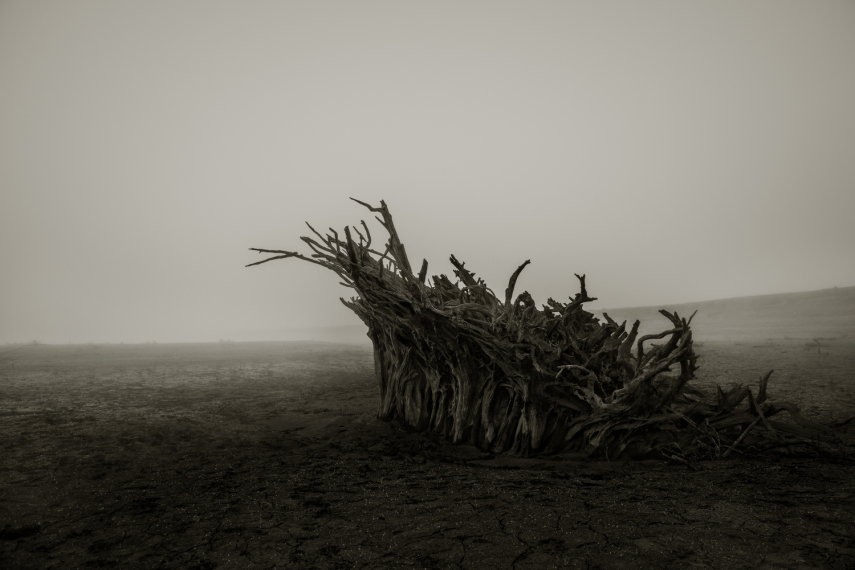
[269, 455]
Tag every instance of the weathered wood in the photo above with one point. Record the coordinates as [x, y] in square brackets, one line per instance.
[452, 358]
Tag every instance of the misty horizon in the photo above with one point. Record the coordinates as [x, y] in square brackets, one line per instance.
[648, 315]
[672, 153]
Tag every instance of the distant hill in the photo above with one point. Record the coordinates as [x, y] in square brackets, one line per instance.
[825, 313]
[814, 314]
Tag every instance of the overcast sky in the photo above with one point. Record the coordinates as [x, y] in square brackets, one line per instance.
[672, 151]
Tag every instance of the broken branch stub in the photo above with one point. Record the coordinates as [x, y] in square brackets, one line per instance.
[503, 375]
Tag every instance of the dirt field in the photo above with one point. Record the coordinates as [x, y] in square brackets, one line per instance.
[264, 455]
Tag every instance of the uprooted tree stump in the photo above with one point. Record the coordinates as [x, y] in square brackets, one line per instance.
[501, 374]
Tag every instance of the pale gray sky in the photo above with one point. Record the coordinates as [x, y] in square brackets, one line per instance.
[672, 151]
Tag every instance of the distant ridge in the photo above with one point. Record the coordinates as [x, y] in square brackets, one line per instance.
[824, 313]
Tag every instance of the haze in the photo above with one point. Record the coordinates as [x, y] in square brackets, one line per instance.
[672, 151]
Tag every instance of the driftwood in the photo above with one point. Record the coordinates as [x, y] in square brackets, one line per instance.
[501, 374]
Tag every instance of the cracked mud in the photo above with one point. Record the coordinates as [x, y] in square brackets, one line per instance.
[269, 455]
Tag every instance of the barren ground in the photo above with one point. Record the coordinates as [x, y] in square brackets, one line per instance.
[263, 455]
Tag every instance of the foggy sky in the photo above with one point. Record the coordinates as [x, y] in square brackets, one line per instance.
[671, 151]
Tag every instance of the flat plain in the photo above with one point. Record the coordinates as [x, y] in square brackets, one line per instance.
[269, 455]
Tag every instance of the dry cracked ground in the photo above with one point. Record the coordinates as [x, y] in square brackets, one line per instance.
[269, 455]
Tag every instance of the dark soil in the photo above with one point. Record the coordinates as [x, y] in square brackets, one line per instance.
[263, 455]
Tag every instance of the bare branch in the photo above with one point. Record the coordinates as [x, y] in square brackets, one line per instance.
[512, 283]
